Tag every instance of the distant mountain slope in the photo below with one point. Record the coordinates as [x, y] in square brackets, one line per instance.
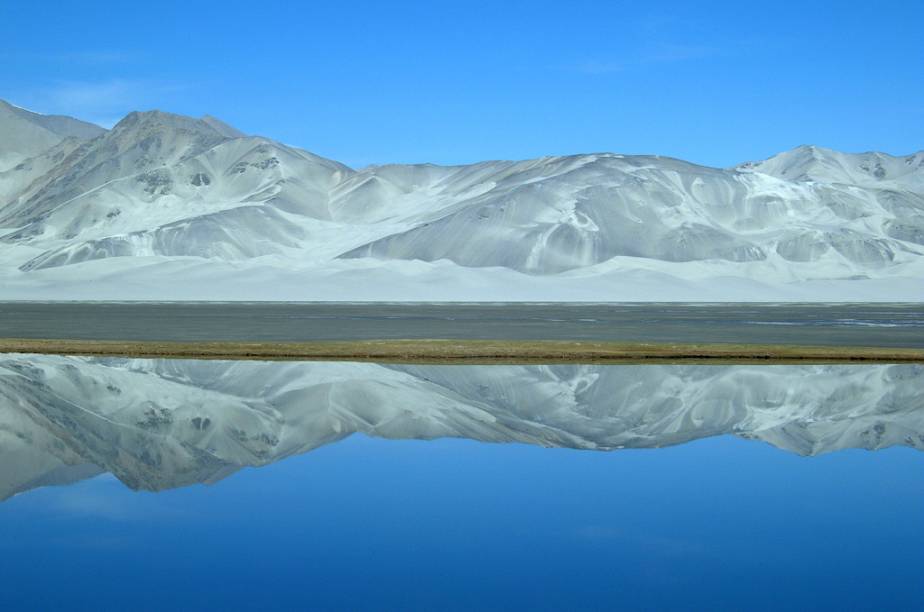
[165, 188]
[26, 134]
[158, 424]
[817, 164]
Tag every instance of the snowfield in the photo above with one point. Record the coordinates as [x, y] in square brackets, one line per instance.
[169, 207]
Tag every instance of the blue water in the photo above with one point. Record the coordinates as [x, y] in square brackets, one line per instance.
[428, 487]
[718, 523]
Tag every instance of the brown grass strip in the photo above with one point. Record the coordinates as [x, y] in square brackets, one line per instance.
[471, 351]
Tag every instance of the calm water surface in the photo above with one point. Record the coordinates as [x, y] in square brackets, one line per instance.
[369, 486]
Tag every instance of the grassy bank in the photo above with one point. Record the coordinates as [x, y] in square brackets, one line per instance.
[471, 351]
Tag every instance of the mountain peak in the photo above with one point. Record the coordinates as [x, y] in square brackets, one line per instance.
[812, 163]
[158, 120]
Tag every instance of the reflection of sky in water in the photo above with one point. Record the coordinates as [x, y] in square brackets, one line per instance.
[714, 523]
[389, 521]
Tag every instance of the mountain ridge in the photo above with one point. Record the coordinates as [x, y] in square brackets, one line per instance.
[169, 187]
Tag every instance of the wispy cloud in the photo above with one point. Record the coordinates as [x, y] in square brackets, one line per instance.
[656, 37]
[103, 102]
[105, 498]
[598, 66]
[663, 53]
[672, 52]
[90, 57]
[97, 57]
[654, 544]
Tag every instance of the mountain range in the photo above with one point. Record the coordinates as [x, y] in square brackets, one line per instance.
[160, 424]
[164, 206]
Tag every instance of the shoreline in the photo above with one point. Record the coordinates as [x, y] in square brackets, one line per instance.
[469, 351]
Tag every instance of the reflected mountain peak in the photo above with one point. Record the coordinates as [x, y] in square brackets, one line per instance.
[159, 424]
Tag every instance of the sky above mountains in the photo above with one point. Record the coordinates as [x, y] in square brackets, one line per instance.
[371, 82]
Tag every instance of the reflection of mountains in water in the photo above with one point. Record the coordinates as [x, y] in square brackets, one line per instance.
[158, 424]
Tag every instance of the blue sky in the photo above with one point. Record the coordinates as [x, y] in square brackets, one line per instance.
[450, 82]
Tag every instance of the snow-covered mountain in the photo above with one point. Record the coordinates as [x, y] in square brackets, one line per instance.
[173, 206]
[24, 134]
[158, 424]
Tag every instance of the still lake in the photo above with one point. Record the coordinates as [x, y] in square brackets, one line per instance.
[172, 484]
